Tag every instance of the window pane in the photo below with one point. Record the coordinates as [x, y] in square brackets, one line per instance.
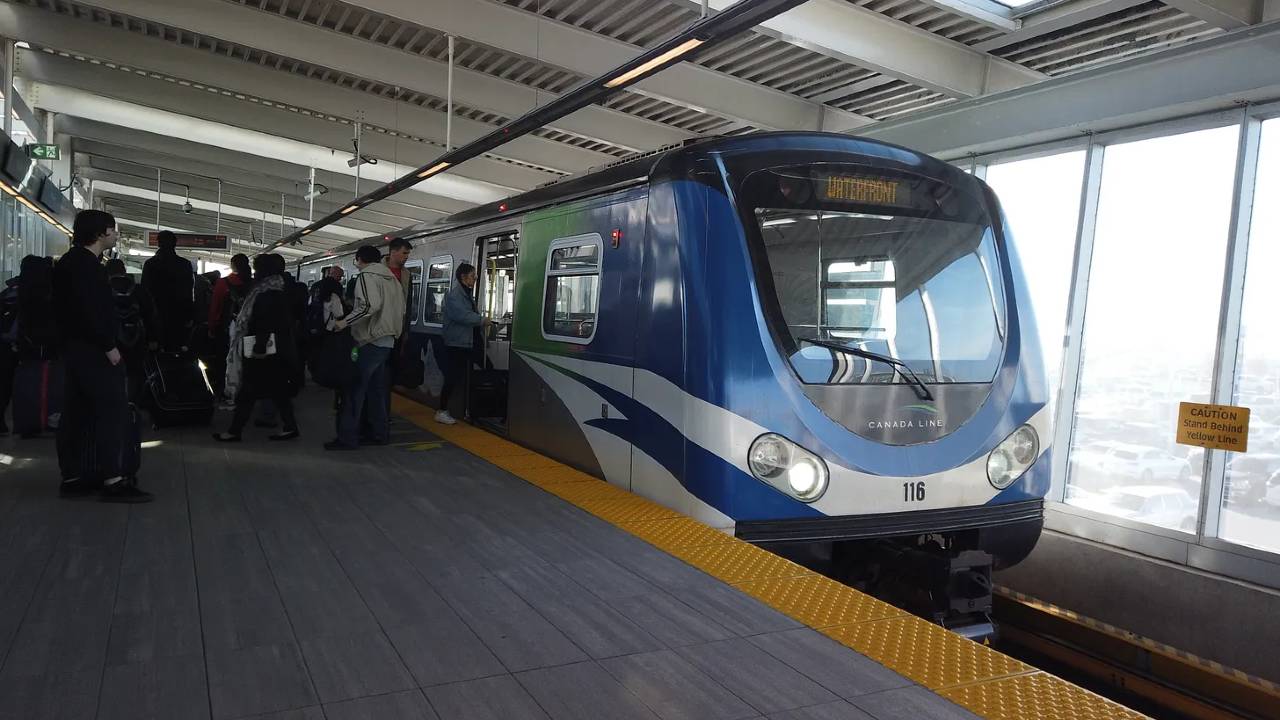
[1251, 499]
[440, 271]
[434, 310]
[1151, 325]
[1041, 198]
[570, 309]
[578, 257]
[415, 290]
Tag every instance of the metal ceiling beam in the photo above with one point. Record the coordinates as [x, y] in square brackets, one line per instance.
[129, 210]
[188, 158]
[289, 38]
[1213, 74]
[273, 143]
[985, 12]
[868, 39]
[1224, 14]
[136, 51]
[587, 53]
[478, 180]
[1058, 17]
[255, 201]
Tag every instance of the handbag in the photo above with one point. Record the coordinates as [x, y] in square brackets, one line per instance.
[251, 340]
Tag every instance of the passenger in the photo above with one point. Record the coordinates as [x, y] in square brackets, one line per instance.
[8, 346]
[375, 323]
[228, 297]
[460, 321]
[37, 320]
[171, 281]
[137, 323]
[262, 362]
[96, 407]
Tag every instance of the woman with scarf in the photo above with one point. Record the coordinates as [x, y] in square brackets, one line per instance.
[262, 362]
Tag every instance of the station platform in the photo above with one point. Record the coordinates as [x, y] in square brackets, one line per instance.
[449, 575]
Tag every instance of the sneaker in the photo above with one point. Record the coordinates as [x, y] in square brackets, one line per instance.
[287, 435]
[77, 489]
[444, 418]
[226, 437]
[124, 491]
[336, 445]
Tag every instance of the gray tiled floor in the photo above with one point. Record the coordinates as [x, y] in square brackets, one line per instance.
[284, 583]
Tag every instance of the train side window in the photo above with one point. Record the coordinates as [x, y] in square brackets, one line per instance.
[572, 296]
[439, 279]
[415, 289]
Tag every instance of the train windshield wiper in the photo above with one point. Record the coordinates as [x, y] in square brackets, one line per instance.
[921, 390]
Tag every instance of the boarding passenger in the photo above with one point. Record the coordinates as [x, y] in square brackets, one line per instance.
[375, 323]
[137, 324]
[228, 297]
[460, 321]
[95, 417]
[171, 281]
[262, 362]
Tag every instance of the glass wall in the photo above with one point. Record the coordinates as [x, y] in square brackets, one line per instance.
[1251, 492]
[23, 233]
[1151, 325]
[1041, 198]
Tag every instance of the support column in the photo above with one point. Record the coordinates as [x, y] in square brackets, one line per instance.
[9, 59]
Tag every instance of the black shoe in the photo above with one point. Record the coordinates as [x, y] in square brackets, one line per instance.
[124, 491]
[287, 435]
[226, 437]
[78, 489]
[335, 445]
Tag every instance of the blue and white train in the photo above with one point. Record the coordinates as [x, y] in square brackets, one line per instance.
[790, 336]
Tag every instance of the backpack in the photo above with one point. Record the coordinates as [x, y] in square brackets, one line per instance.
[235, 301]
[313, 317]
[132, 330]
[9, 315]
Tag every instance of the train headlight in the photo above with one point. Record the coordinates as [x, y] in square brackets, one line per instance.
[788, 467]
[1012, 457]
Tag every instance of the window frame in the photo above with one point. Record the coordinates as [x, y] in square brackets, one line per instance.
[422, 284]
[427, 281]
[548, 274]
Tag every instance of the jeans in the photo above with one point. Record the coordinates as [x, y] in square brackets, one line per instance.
[95, 405]
[369, 395]
[457, 362]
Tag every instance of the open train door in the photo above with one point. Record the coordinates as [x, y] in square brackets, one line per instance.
[487, 400]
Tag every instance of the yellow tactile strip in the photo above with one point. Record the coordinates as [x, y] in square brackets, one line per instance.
[986, 682]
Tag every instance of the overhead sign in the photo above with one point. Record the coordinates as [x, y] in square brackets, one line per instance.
[43, 152]
[195, 241]
[1220, 427]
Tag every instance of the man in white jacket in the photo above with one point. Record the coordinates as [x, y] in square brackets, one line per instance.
[376, 321]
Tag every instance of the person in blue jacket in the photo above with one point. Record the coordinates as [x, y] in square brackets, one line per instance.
[460, 321]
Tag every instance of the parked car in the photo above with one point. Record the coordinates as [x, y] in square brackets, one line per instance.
[1154, 504]
[1144, 463]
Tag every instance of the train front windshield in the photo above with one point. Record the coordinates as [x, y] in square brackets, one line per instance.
[863, 270]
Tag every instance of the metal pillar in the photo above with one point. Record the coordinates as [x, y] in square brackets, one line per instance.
[448, 117]
[1072, 352]
[217, 220]
[281, 216]
[705, 8]
[1224, 370]
[311, 197]
[158, 192]
[10, 58]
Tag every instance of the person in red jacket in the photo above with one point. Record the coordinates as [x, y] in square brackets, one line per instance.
[228, 295]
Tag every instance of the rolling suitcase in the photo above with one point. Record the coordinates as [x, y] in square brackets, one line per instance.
[131, 443]
[37, 396]
[177, 393]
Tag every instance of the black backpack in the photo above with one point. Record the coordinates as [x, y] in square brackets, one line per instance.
[131, 329]
[235, 301]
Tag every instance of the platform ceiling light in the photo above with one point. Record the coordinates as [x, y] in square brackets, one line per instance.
[432, 170]
[700, 37]
[661, 60]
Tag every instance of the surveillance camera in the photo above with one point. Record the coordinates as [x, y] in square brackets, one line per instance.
[353, 162]
[187, 208]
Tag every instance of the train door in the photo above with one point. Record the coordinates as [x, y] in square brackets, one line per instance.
[495, 299]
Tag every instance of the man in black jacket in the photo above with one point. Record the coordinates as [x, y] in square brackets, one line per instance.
[91, 434]
[170, 280]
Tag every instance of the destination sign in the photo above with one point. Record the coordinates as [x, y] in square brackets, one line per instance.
[1219, 427]
[873, 191]
[196, 241]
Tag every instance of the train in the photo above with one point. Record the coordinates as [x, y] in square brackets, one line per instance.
[791, 336]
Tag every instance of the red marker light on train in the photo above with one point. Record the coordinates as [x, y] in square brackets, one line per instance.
[617, 237]
[502, 207]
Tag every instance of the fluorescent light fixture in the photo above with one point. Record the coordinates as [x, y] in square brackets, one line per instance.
[349, 209]
[307, 231]
[779, 221]
[432, 170]
[141, 253]
[662, 59]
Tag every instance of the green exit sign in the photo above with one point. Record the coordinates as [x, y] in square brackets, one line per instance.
[44, 152]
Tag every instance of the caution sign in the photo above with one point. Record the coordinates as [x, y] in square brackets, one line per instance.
[1220, 427]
